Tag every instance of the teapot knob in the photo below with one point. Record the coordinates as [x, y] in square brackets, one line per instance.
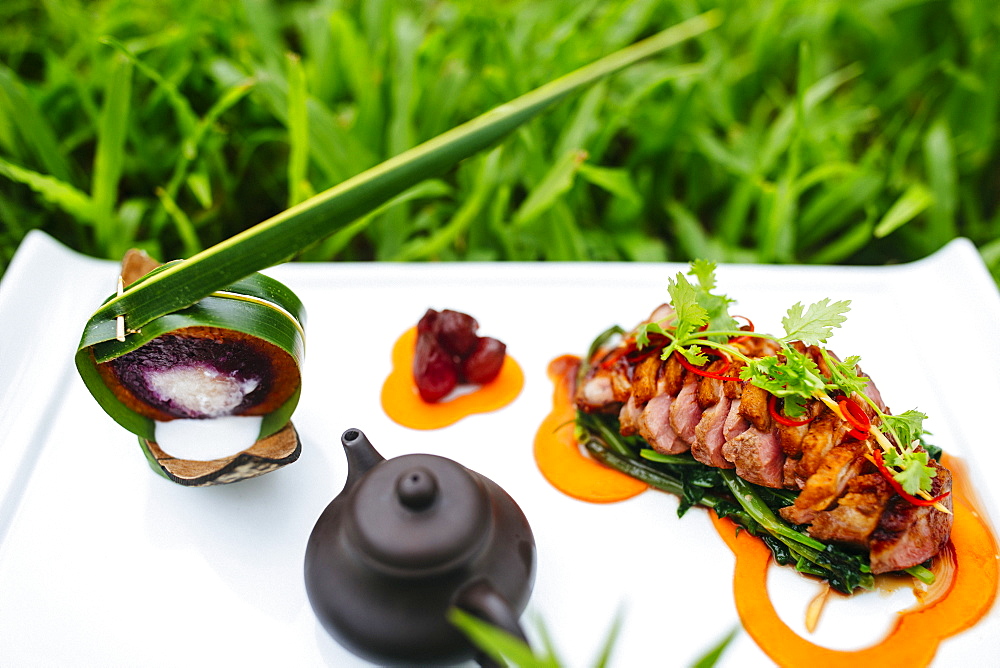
[417, 488]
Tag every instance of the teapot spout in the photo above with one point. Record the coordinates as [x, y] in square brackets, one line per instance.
[361, 455]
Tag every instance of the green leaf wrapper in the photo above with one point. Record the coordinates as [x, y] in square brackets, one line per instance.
[257, 310]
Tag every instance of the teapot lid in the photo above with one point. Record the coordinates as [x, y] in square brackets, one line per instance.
[419, 515]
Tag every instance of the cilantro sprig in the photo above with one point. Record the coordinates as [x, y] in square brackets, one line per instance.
[701, 320]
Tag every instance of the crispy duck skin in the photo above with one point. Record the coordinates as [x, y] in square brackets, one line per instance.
[727, 424]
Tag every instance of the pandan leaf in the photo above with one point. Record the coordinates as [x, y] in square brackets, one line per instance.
[280, 237]
[217, 294]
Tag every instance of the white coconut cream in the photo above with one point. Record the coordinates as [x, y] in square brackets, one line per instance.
[205, 440]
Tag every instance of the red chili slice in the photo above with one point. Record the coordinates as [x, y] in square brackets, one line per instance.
[887, 474]
[856, 417]
[612, 357]
[772, 406]
[737, 339]
[708, 374]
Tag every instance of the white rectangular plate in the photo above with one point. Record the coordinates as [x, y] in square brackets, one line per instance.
[104, 563]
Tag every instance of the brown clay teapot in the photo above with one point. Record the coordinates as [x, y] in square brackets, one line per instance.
[407, 539]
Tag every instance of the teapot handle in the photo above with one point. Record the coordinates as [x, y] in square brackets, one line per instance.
[481, 599]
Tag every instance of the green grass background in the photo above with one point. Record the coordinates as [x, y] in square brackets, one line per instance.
[854, 131]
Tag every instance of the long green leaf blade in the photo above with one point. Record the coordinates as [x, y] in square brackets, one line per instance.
[279, 237]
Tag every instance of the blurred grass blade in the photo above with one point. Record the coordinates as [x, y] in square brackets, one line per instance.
[554, 184]
[110, 155]
[939, 158]
[470, 210]
[186, 117]
[32, 126]
[604, 658]
[185, 228]
[712, 657]
[298, 132]
[71, 200]
[497, 643]
[689, 232]
[281, 236]
[910, 204]
[844, 244]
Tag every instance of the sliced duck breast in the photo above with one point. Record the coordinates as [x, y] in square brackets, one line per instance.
[842, 463]
[907, 534]
[628, 417]
[757, 456]
[685, 413]
[645, 377]
[825, 431]
[735, 423]
[710, 435]
[654, 426]
[753, 406]
[856, 514]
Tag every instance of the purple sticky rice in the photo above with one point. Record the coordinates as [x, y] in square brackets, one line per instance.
[232, 375]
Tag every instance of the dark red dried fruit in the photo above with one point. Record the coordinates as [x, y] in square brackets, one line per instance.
[456, 332]
[428, 323]
[484, 362]
[434, 370]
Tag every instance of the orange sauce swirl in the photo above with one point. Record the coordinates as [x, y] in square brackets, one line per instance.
[401, 401]
[558, 456]
[913, 639]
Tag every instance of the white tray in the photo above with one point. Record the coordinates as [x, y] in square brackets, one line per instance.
[104, 563]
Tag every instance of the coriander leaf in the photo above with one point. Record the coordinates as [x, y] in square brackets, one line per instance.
[690, 314]
[814, 325]
[794, 406]
[906, 427]
[704, 270]
[693, 355]
[893, 458]
[845, 376]
[642, 333]
[916, 474]
[797, 375]
[716, 306]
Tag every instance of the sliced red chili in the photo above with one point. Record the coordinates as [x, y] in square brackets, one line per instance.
[612, 357]
[747, 327]
[708, 374]
[630, 350]
[856, 417]
[772, 406]
[887, 474]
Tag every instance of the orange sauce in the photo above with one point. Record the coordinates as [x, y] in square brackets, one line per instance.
[401, 400]
[917, 632]
[558, 456]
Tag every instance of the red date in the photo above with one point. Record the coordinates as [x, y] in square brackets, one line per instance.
[457, 332]
[449, 352]
[434, 369]
[484, 362]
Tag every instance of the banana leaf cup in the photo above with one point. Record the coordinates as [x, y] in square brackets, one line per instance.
[237, 351]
